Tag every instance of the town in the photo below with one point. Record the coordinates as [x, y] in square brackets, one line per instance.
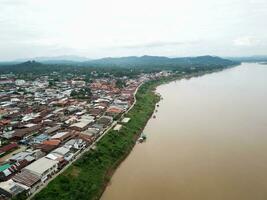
[47, 123]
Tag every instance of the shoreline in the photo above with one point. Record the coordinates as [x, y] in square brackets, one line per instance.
[161, 82]
[140, 114]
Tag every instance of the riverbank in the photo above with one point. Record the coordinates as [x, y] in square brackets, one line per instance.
[207, 132]
[88, 177]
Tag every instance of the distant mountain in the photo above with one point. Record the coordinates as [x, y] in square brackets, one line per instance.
[9, 62]
[65, 59]
[157, 61]
[259, 58]
[22, 67]
[130, 61]
[143, 63]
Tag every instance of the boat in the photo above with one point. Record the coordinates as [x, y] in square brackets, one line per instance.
[142, 138]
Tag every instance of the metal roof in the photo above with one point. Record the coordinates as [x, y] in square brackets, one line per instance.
[4, 167]
[41, 165]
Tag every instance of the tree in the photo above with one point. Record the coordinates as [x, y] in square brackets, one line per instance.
[120, 83]
[82, 93]
[51, 83]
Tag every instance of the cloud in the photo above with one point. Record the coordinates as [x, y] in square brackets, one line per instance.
[246, 41]
[13, 2]
[158, 44]
[184, 27]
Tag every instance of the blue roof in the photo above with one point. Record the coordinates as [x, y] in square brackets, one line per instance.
[41, 137]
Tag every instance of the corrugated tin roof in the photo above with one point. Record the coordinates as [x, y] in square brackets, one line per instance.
[41, 165]
[4, 167]
[26, 178]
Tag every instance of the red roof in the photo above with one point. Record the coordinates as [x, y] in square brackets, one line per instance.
[52, 142]
[4, 122]
[114, 110]
[8, 147]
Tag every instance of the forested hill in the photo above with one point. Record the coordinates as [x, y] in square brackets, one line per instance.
[249, 59]
[144, 63]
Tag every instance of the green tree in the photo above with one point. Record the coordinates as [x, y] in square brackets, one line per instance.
[120, 83]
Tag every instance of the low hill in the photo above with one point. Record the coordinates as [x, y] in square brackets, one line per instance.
[249, 59]
[158, 61]
[143, 63]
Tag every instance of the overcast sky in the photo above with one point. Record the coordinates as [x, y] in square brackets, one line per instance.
[100, 28]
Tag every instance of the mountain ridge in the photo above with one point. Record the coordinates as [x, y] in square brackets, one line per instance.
[148, 63]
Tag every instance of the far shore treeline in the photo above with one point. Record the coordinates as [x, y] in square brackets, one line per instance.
[124, 66]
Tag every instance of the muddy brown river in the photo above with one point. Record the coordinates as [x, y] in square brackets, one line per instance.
[208, 142]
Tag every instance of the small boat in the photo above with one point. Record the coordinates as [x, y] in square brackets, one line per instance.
[142, 138]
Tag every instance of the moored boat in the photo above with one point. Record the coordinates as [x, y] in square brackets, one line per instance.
[142, 138]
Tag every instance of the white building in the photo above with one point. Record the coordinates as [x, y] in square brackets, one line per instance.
[43, 168]
[20, 82]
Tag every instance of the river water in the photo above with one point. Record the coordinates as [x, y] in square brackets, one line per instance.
[208, 142]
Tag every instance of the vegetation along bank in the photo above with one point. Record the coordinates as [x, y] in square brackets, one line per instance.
[90, 174]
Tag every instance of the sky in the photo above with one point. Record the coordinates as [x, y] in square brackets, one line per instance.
[102, 28]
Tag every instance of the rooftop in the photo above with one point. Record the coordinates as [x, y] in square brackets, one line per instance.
[41, 165]
[117, 127]
[125, 120]
[59, 135]
[26, 178]
[4, 167]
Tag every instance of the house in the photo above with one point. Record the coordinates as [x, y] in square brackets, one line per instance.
[9, 189]
[92, 131]
[125, 120]
[96, 111]
[81, 126]
[117, 127]
[49, 145]
[20, 156]
[26, 178]
[43, 168]
[20, 133]
[20, 82]
[60, 154]
[53, 142]
[4, 167]
[105, 120]
[4, 122]
[26, 155]
[114, 110]
[53, 129]
[62, 136]
[8, 170]
[75, 144]
[63, 151]
[40, 138]
[78, 83]
[8, 148]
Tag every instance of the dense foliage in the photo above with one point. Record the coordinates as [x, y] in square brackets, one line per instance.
[126, 66]
[120, 83]
[82, 93]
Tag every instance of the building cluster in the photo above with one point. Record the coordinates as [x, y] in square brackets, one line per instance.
[43, 127]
